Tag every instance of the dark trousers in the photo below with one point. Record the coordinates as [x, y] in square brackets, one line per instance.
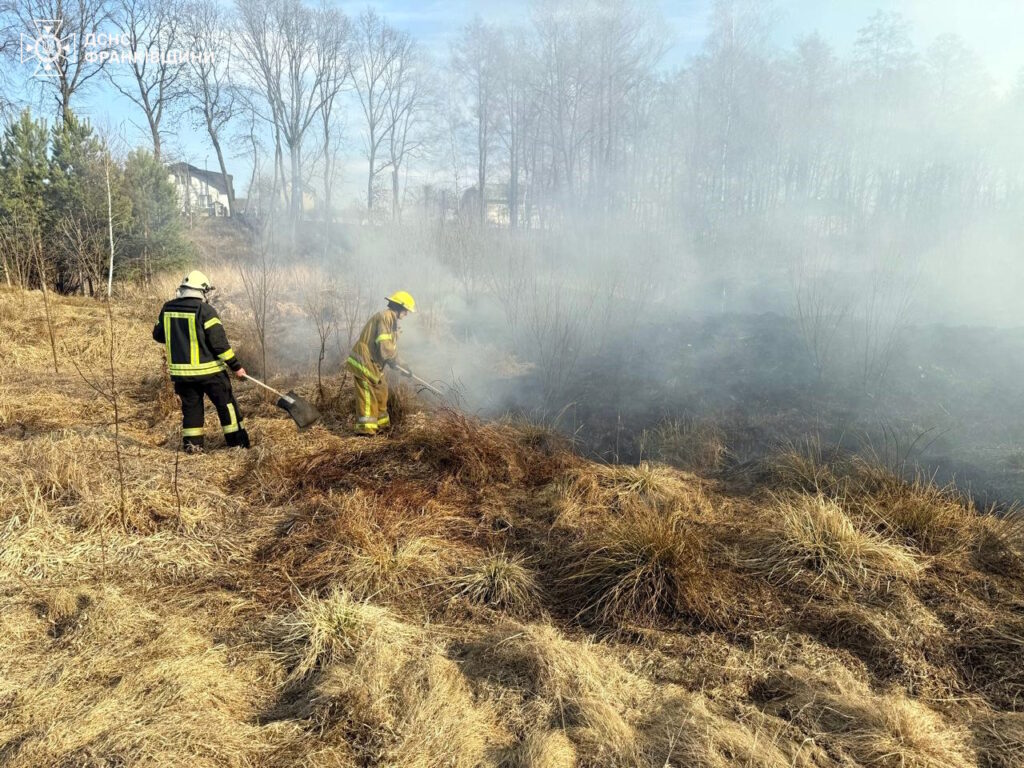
[218, 389]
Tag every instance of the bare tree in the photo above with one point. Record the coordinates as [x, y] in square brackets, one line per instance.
[474, 60]
[821, 310]
[376, 46]
[334, 48]
[291, 51]
[209, 89]
[260, 281]
[406, 92]
[151, 31]
[320, 300]
[79, 22]
[36, 245]
[518, 111]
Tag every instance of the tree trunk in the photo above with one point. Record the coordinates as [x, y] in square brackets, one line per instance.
[154, 129]
[395, 210]
[296, 163]
[481, 174]
[215, 140]
[327, 185]
[369, 176]
[513, 183]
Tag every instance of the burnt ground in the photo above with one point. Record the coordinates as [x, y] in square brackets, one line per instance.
[949, 403]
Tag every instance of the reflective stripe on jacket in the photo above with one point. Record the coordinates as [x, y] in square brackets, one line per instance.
[194, 340]
[376, 346]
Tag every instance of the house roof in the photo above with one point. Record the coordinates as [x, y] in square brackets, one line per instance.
[213, 178]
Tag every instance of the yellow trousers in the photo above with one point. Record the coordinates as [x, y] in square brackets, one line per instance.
[371, 405]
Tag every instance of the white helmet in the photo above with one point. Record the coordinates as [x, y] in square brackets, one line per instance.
[197, 280]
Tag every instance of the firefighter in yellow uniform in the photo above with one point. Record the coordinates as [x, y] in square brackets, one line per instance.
[377, 347]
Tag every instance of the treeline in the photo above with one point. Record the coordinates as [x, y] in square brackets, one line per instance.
[63, 195]
[746, 150]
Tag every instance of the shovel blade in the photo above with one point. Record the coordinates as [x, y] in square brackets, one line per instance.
[302, 411]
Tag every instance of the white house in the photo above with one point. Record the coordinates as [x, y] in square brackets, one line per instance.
[200, 192]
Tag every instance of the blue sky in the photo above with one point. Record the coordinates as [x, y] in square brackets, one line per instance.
[991, 27]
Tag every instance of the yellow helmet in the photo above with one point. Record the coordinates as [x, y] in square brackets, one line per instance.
[196, 279]
[403, 299]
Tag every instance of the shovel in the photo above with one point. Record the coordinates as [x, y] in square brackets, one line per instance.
[302, 411]
[420, 381]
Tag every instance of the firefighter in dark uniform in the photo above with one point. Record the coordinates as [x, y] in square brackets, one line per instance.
[198, 358]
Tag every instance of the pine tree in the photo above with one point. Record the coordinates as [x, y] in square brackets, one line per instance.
[77, 205]
[154, 238]
[24, 175]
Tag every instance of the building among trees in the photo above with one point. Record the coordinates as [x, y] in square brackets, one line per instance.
[201, 192]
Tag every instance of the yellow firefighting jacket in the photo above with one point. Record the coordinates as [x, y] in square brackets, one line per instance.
[193, 339]
[376, 346]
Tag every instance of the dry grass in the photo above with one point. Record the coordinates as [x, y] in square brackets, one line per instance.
[690, 444]
[589, 693]
[810, 538]
[131, 688]
[687, 730]
[324, 600]
[393, 696]
[639, 568]
[1000, 543]
[329, 629]
[878, 731]
[501, 581]
[546, 749]
[999, 739]
[597, 490]
[934, 520]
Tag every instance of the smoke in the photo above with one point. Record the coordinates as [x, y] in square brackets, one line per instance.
[782, 245]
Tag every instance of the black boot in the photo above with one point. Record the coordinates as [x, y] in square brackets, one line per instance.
[239, 439]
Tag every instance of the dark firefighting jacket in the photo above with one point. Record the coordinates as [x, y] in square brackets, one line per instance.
[194, 340]
[376, 346]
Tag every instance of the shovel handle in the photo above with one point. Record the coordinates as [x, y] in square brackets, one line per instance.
[416, 378]
[259, 383]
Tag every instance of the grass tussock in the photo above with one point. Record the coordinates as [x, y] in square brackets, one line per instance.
[896, 635]
[389, 692]
[502, 581]
[447, 444]
[999, 545]
[372, 547]
[640, 568]
[922, 515]
[990, 648]
[687, 443]
[596, 490]
[874, 730]
[809, 467]
[932, 519]
[687, 730]
[811, 539]
[325, 630]
[586, 689]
